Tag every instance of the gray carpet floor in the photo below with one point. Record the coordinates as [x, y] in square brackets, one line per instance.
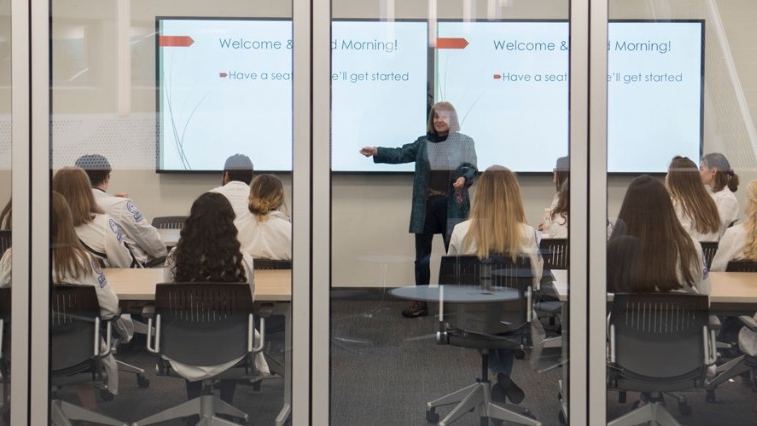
[384, 368]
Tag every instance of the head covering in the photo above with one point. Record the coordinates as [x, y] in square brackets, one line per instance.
[93, 162]
[562, 164]
[238, 162]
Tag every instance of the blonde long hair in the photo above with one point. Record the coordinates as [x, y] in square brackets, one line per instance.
[496, 214]
[750, 248]
[73, 184]
[266, 195]
[68, 255]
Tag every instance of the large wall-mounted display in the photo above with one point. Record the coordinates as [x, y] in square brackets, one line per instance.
[225, 87]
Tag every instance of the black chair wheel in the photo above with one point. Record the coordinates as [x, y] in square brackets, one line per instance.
[684, 409]
[105, 395]
[710, 396]
[142, 381]
[432, 416]
[520, 354]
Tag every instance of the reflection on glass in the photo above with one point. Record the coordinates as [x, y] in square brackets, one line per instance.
[686, 233]
[393, 66]
[108, 61]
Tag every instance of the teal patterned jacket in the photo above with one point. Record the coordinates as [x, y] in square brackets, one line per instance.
[462, 149]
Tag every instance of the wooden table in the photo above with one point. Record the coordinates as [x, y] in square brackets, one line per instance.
[139, 284]
[272, 287]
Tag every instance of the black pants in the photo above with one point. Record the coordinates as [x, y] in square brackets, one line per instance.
[435, 223]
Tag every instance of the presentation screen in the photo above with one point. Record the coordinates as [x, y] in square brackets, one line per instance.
[509, 83]
[224, 87]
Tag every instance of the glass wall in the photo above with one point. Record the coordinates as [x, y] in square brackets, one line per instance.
[160, 103]
[430, 103]
[680, 161]
[5, 196]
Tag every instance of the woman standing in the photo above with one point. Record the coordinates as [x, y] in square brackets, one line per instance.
[497, 225]
[694, 207]
[717, 174]
[445, 166]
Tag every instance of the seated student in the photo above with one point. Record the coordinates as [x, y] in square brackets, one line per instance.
[560, 175]
[208, 251]
[720, 178]
[71, 263]
[694, 207]
[497, 225]
[557, 223]
[235, 183]
[739, 241]
[266, 232]
[141, 237]
[649, 250]
[97, 231]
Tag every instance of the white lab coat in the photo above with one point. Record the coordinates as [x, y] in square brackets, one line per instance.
[731, 247]
[238, 194]
[558, 227]
[688, 225]
[728, 207]
[141, 237]
[195, 373]
[529, 247]
[104, 239]
[269, 239]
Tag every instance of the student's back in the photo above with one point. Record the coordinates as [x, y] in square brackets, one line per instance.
[266, 231]
[740, 241]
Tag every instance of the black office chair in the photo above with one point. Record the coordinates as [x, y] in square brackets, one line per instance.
[5, 240]
[659, 342]
[741, 265]
[169, 222]
[485, 327]
[203, 324]
[75, 356]
[709, 248]
[263, 263]
[555, 252]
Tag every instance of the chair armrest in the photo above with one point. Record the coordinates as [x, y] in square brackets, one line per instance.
[749, 322]
[158, 261]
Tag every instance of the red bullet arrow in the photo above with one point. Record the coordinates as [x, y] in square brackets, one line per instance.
[222, 75]
[451, 43]
[175, 41]
[497, 76]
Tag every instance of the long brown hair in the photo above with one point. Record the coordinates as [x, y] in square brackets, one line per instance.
[73, 184]
[563, 202]
[686, 188]
[6, 216]
[496, 214]
[68, 255]
[647, 217]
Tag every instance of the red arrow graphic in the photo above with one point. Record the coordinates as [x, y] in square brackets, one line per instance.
[222, 75]
[175, 41]
[451, 43]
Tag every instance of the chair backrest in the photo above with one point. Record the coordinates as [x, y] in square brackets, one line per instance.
[660, 337]
[203, 324]
[709, 248]
[741, 266]
[554, 251]
[169, 222]
[73, 321]
[498, 271]
[5, 316]
[5, 240]
[262, 263]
